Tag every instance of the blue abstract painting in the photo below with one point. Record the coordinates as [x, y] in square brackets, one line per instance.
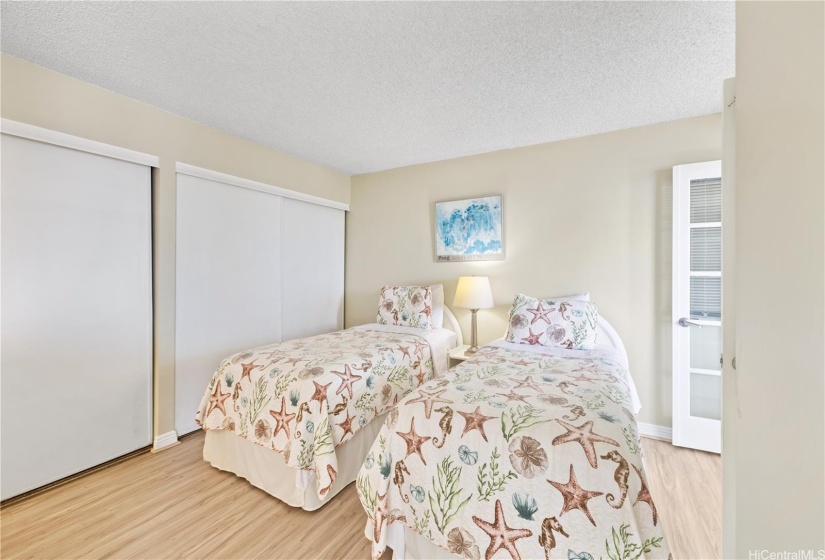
[469, 230]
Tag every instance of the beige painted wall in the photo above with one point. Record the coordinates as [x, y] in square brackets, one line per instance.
[779, 434]
[34, 95]
[589, 214]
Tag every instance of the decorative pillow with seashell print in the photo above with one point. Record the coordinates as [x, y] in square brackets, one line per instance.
[406, 306]
[552, 322]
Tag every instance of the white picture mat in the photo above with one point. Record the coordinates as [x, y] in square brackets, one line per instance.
[76, 311]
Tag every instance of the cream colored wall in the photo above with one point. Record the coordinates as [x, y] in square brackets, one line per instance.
[589, 214]
[34, 95]
[780, 280]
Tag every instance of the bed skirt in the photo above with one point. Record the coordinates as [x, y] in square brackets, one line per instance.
[267, 470]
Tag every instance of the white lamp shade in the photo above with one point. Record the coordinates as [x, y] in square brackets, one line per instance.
[473, 292]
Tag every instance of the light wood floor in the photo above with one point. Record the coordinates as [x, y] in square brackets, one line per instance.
[174, 505]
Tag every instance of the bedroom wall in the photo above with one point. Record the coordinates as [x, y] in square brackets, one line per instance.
[37, 96]
[588, 214]
[779, 426]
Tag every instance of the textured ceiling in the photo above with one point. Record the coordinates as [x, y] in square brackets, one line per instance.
[362, 87]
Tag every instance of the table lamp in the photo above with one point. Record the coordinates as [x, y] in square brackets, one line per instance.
[473, 293]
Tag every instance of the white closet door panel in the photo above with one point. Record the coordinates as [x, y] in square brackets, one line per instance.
[76, 311]
[228, 292]
[313, 269]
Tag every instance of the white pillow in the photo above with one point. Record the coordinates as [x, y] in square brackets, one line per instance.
[575, 297]
[438, 305]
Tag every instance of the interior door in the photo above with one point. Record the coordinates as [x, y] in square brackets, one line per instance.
[697, 306]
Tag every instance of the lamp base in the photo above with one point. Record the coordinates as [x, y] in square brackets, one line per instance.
[473, 334]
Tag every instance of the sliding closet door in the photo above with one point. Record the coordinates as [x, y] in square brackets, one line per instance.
[228, 294]
[313, 269]
[76, 311]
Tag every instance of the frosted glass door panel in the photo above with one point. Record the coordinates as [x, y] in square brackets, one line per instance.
[705, 348]
[228, 282]
[76, 311]
[705, 396]
[313, 269]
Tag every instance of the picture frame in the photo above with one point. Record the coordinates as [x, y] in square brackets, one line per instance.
[471, 229]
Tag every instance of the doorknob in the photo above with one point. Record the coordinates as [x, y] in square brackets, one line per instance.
[684, 322]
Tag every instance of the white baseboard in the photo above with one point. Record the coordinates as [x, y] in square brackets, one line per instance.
[162, 441]
[654, 431]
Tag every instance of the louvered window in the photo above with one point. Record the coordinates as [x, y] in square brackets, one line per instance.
[706, 248]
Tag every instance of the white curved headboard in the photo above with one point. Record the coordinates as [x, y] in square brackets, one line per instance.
[450, 322]
[606, 332]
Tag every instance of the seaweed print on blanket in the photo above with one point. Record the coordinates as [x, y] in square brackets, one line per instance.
[519, 455]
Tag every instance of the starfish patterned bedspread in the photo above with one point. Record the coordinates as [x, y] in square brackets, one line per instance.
[305, 397]
[516, 454]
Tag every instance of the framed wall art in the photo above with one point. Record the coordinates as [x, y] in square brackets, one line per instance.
[469, 230]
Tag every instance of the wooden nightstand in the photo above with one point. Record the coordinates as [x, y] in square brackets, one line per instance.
[458, 355]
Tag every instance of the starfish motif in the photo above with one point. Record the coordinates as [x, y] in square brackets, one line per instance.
[429, 399]
[405, 351]
[501, 536]
[584, 435]
[575, 497]
[247, 369]
[527, 383]
[346, 425]
[420, 376]
[320, 393]
[282, 420]
[533, 339]
[414, 441]
[275, 354]
[589, 367]
[644, 496]
[217, 399]
[522, 363]
[380, 515]
[583, 377]
[511, 396]
[540, 313]
[419, 348]
[292, 361]
[475, 421]
[347, 379]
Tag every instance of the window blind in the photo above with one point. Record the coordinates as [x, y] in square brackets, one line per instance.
[706, 297]
[706, 200]
[706, 249]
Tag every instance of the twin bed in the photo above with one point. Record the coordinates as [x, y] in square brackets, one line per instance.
[296, 419]
[527, 450]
